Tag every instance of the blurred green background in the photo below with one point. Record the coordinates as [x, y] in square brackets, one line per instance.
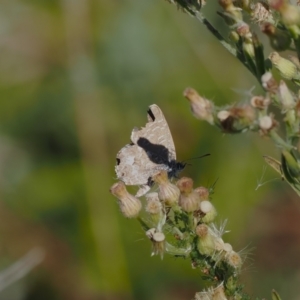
[76, 77]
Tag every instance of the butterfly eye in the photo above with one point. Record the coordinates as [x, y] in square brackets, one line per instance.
[118, 161]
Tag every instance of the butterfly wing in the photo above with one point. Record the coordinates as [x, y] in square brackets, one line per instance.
[151, 150]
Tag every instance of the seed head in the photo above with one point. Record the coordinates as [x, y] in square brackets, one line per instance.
[201, 108]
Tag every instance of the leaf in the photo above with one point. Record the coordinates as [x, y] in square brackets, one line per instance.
[275, 164]
[275, 295]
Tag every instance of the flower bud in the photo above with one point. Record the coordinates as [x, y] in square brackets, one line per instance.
[248, 48]
[158, 242]
[269, 83]
[130, 206]
[201, 108]
[286, 97]
[209, 210]
[168, 192]
[206, 241]
[154, 207]
[188, 200]
[243, 30]
[286, 68]
[260, 102]
[279, 40]
[203, 193]
[290, 14]
[233, 35]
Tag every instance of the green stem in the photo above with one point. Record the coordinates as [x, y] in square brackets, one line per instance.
[224, 43]
[279, 141]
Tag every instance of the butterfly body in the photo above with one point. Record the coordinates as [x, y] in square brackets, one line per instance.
[152, 150]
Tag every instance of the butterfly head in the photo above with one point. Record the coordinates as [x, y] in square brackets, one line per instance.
[175, 167]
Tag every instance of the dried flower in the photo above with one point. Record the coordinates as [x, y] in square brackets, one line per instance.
[130, 206]
[201, 108]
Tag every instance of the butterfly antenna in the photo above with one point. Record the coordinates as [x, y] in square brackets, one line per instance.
[207, 154]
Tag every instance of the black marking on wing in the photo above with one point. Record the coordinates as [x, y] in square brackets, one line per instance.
[159, 155]
[150, 113]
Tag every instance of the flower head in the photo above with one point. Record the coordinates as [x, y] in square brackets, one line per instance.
[168, 192]
[130, 206]
[189, 199]
[201, 108]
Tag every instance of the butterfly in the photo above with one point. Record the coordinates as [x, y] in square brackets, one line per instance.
[150, 151]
